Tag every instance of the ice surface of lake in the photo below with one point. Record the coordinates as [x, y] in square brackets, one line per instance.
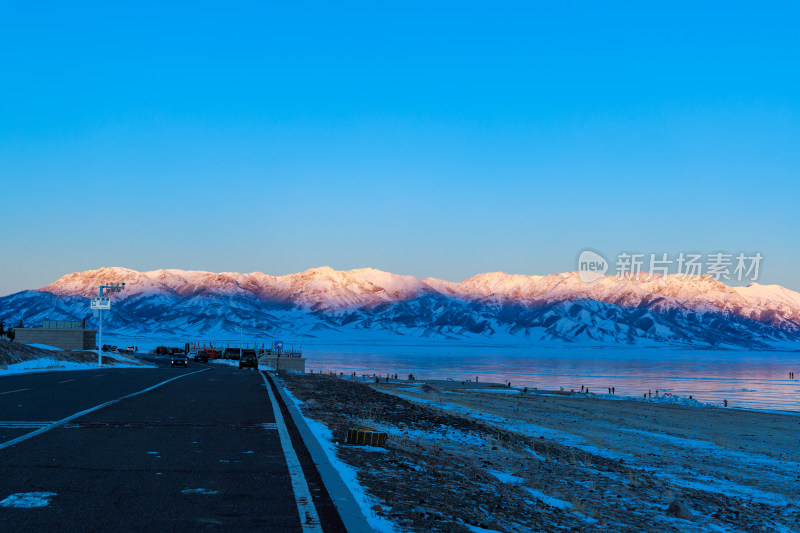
[747, 379]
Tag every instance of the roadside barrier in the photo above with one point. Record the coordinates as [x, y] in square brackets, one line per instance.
[365, 438]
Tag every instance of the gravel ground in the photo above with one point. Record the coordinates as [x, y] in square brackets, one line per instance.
[457, 459]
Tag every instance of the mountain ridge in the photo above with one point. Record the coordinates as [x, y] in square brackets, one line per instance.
[495, 305]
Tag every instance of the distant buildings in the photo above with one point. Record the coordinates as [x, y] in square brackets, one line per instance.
[64, 334]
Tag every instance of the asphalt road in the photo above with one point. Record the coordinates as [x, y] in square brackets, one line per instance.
[198, 452]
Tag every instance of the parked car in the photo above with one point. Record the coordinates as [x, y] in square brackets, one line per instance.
[201, 357]
[179, 359]
[231, 353]
[248, 360]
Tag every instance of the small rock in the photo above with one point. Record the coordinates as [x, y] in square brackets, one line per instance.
[679, 510]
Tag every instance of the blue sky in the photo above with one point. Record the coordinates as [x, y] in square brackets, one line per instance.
[428, 139]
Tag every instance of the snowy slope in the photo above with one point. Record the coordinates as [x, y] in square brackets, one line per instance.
[769, 294]
[322, 303]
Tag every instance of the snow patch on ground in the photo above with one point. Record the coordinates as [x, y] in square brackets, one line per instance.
[122, 357]
[45, 347]
[670, 399]
[507, 477]
[523, 428]
[47, 364]
[28, 500]
[476, 529]
[434, 434]
[228, 362]
[198, 491]
[548, 500]
[727, 487]
[233, 362]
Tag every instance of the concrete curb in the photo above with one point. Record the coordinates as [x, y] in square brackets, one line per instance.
[349, 511]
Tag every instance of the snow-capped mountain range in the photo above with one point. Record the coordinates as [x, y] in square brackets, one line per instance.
[322, 303]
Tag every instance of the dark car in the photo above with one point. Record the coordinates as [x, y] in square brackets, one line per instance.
[179, 359]
[248, 360]
[201, 357]
[231, 353]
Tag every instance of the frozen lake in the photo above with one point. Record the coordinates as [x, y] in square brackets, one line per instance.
[747, 379]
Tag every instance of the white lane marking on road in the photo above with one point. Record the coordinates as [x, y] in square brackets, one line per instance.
[198, 491]
[309, 520]
[66, 381]
[24, 423]
[91, 409]
[28, 500]
[10, 391]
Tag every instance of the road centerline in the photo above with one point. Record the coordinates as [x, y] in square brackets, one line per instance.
[10, 391]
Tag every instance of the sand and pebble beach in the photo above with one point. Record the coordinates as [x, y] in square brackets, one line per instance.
[462, 456]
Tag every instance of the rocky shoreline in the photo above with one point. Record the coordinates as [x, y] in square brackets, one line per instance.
[464, 458]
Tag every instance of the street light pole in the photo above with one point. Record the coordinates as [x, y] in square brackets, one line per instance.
[100, 337]
[109, 288]
[240, 342]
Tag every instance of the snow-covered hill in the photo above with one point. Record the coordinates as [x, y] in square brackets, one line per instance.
[325, 303]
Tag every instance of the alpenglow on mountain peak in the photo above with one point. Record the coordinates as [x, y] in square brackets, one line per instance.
[494, 306]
